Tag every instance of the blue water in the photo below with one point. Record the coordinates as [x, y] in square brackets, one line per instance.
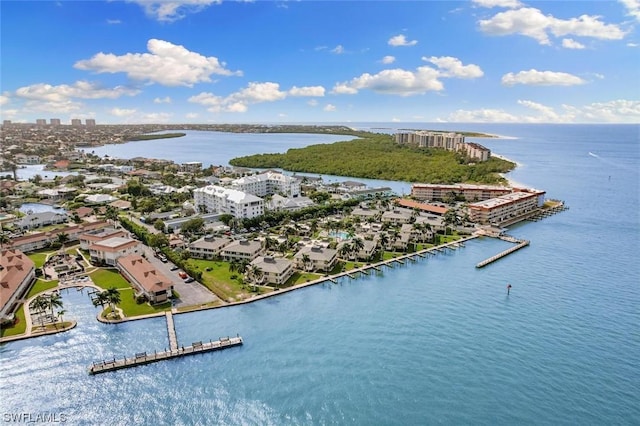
[213, 148]
[432, 342]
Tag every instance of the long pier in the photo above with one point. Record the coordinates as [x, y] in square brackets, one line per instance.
[171, 331]
[521, 243]
[144, 358]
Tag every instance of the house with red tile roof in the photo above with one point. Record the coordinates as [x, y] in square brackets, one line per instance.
[17, 274]
[145, 278]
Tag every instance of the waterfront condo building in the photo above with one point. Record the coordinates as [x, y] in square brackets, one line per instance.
[268, 183]
[108, 251]
[505, 208]
[275, 270]
[438, 192]
[216, 199]
[443, 140]
[17, 274]
[145, 278]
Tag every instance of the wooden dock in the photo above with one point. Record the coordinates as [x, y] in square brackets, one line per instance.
[521, 244]
[171, 331]
[144, 358]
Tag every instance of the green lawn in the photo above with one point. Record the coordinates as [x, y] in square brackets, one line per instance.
[107, 278]
[39, 257]
[40, 286]
[301, 278]
[219, 280]
[131, 308]
[18, 328]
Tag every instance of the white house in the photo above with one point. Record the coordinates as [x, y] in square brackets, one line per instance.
[216, 199]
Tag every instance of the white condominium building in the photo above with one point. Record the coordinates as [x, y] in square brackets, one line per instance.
[426, 139]
[439, 192]
[501, 209]
[216, 199]
[268, 183]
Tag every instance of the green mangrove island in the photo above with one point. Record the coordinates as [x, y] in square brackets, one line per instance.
[151, 137]
[377, 156]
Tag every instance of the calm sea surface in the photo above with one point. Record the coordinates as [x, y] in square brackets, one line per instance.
[432, 342]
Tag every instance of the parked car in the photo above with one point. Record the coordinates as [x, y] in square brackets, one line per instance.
[189, 280]
[183, 275]
[174, 268]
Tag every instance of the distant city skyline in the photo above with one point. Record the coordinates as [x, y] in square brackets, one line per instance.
[222, 61]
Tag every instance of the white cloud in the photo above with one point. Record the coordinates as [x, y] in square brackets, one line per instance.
[616, 111]
[631, 44]
[338, 50]
[569, 43]
[4, 100]
[192, 115]
[80, 89]
[306, 91]
[154, 117]
[167, 64]
[165, 100]
[633, 8]
[401, 40]
[312, 102]
[395, 81]
[452, 67]
[406, 83]
[173, 10]
[329, 108]
[114, 21]
[541, 78]
[239, 101]
[533, 23]
[511, 4]
[388, 59]
[122, 112]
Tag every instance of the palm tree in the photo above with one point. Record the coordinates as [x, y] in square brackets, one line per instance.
[61, 314]
[357, 244]
[40, 305]
[62, 238]
[306, 260]
[113, 298]
[383, 240]
[344, 250]
[4, 239]
[100, 299]
[54, 301]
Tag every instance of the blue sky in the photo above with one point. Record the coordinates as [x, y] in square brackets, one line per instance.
[206, 61]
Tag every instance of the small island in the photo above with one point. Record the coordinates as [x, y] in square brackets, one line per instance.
[146, 137]
[378, 156]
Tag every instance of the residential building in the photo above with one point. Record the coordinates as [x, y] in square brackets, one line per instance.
[109, 250]
[268, 183]
[242, 250]
[76, 122]
[208, 247]
[36, 241]
[17, 274]
[55, 121]
[428, 139]
[423, 207]
[216, 199]
[145, 278]
[439, 192]
[475, 151]
[275, 270]
[93, 237]
[279, 203]
[90, 122]
[396, 216]
[368, 194]
[506, 207]
[320, 258]
[41, 121]
[37, 220]
[191, 167]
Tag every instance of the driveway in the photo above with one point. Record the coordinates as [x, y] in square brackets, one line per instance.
[191, 294]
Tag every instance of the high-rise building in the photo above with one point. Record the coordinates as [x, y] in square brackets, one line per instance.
[76, 122]
[6, 122]
[41, 122]
[55, 121]
[90, 122]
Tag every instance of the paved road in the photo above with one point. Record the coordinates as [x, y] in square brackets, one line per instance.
[191, 294]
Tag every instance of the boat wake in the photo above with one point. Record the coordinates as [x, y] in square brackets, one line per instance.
[593, 155]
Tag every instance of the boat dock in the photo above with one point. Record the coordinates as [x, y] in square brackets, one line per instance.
[171, 331]
[520, 244]
[142, 358]
[174, 351]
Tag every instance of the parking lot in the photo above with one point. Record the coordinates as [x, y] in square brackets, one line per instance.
[191, 293]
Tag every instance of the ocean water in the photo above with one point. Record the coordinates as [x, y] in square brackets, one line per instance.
[435, 341]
